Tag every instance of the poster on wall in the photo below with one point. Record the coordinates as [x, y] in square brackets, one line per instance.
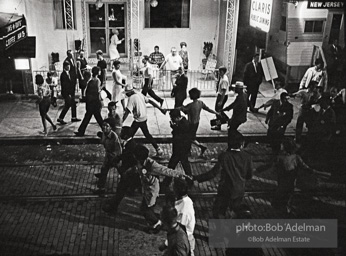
[260, 14]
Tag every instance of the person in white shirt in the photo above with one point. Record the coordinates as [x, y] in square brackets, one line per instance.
[316, 74]
[172, 62]
[119, 81]
[148, 80]
[137, 105]
[186, 213]
[222, 90]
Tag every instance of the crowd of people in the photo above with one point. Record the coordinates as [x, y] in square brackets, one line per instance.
[322, 110]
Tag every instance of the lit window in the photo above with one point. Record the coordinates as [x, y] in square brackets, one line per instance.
[167, 13]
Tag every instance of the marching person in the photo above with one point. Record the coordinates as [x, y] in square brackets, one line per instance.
[81, 69]
[137, 105]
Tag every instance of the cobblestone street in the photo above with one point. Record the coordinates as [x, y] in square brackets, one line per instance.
[47, 205]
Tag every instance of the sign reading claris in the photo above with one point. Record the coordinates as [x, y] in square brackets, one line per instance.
[260, 14]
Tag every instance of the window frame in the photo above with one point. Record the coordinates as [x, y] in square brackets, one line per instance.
[107, 28]
[313, 26]
[147, 13]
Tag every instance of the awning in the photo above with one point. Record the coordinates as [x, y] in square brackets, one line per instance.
[12, 29]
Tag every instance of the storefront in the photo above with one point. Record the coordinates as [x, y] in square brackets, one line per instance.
[13, 32]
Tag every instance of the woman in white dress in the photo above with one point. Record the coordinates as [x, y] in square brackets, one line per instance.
[119, 81]
[113, 51]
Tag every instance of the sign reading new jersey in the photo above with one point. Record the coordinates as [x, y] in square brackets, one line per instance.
[260, 14]
[325, 4]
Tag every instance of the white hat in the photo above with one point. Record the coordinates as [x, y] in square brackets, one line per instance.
[239, 85]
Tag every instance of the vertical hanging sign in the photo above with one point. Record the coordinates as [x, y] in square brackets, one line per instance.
[260, 14]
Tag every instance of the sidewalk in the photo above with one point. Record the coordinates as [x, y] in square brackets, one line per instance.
[20, 120]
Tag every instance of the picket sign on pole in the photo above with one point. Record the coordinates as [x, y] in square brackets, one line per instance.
[269, 70]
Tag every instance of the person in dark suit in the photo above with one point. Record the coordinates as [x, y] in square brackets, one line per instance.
[67, 92]
[278, 117]
[239, 106]
[73, 69]
[93, 102]
[179, 89]
[335, 62]
[253, 74]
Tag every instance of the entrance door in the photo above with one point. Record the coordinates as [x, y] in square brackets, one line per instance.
[102, 23]
[333, 28]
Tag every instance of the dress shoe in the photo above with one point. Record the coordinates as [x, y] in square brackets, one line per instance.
[216, 128]
[75, 119]
[61, 121]
[78, 134]
[151, 230]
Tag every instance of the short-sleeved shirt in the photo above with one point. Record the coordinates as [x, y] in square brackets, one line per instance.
[148, 71]
[173, 62]
[223, 85]
[137, 105]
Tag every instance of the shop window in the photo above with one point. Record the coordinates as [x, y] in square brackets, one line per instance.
[167, 13]
[283, 23]
[313, 26]
[64, 14]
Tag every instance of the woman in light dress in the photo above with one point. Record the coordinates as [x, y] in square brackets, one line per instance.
[119, 81]
[113, 51]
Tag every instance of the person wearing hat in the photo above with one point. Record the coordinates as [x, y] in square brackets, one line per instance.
[278, 117]
[184, 54]
[253, 75]
[112, 145]
[148, 80]
[102, 64]
[93, 103]
[239, 107]
[137, 105]
[222, 96]
[179, 88]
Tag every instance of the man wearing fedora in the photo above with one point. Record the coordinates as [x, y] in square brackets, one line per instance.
[137, 105]
[239, 107]
[222, 96]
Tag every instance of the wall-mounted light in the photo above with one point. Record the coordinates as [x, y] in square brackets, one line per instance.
[154, 3]
[98, 4]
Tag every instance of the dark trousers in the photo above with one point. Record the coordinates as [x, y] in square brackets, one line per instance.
[224, 201]
[275, 137]
[179, 100]
[129, 180]
[149, 213]
[69, 103]
[147, 89]
[218, 108]
[144, 127]
[233, 127]
[303, 117]
[108, 163]
[96, 112]
[252, 96]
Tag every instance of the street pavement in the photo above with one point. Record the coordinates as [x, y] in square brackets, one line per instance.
[47, 206]
[20, 119]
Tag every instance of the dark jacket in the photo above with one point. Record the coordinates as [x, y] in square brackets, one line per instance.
[236, 167]
[252, 79]
[73, 70]
[67, 87]
[239, 107]
[92, 95]
[279, 115]
[181, 86]
[178, 242]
